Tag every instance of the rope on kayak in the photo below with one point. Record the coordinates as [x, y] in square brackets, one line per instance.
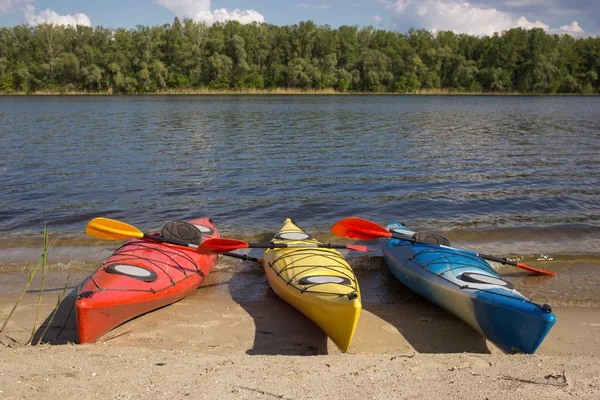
[444, 260]
[125, 253]
[444, 255]
[169, 252]
[339, 265]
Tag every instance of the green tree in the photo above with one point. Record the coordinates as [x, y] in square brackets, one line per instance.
[226, 55]
[375, 76]
[7, 83]
[220, 67]
[92, 76]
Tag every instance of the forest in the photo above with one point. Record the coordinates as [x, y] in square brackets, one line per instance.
[187, 55]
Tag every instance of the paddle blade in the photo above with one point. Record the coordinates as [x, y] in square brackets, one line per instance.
[537, 271]
[109, 229]
[364, 249]
[358, 228]
[220, 246]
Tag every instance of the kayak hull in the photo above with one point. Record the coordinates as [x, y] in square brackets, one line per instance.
[504, 316]
[137, 278]
[318, 282]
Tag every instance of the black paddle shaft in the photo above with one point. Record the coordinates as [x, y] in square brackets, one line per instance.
[271, 245]
[160, 239]
[500, 260]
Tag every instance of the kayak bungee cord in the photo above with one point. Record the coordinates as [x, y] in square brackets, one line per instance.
[141, 276]
[308, 253]
[123, 252]
[166, 251]
[363, 229]
[297, 266]
[486, 268]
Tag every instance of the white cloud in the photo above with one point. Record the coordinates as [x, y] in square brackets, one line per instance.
[463, 17]
[200, 10]
[453, 15]
[572, 29]
[243, 16]
[522, 22]
[51, 17]
[7, 6]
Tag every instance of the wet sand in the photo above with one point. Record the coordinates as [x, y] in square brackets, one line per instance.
[216, 346]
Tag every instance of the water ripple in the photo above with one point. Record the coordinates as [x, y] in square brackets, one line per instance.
[445, 162]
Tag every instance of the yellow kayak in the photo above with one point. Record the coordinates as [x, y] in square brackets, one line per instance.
[318, 282]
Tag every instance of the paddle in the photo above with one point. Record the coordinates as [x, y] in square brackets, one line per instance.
[219, 246]
[110, 229]
[358, 228]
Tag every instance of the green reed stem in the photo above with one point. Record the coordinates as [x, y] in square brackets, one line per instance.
[61, 297]
[29, 280]
[44, 271]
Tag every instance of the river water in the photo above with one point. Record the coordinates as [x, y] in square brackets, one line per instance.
[516, 176]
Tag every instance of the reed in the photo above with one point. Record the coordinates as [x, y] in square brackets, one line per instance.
[199, 90]
[61, 297]
[43, 264]
[281, 91]
[40, 262]
[44, 271]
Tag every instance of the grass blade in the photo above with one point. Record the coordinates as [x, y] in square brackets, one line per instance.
[44, 271]
[29, 280]
[61, 297]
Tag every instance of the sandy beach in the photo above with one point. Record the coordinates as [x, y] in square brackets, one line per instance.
[211, 345]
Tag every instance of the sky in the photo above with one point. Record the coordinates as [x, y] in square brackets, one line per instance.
[580, 18]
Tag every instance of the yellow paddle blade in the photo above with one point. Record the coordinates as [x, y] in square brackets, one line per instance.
[109, 229]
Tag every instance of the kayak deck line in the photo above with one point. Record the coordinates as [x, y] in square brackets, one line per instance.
[486, 267]
[297, 275]
[148, 272]
[157, 263]
[464, 284]
[309, 253]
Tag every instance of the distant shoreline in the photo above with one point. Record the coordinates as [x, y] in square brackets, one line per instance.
[186, 92]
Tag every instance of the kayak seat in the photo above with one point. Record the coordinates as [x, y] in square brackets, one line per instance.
[432, 238]
[181, 230]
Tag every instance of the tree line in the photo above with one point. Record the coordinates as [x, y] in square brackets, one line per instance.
[234, 56]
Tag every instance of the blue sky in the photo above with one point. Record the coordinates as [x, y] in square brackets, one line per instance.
[479, 17]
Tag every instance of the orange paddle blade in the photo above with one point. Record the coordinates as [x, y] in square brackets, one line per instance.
[358, 228]
[358, 247]
[109, 229]
[220, 246]
[537, 271]
[505, 261]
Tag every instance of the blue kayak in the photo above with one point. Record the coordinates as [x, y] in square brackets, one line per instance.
[467, 286]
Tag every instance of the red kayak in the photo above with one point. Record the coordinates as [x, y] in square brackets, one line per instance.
[141, 276]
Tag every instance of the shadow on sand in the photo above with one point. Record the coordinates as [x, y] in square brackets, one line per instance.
[282, 330]
[279, 328]
[425, 326]
[63, 328]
